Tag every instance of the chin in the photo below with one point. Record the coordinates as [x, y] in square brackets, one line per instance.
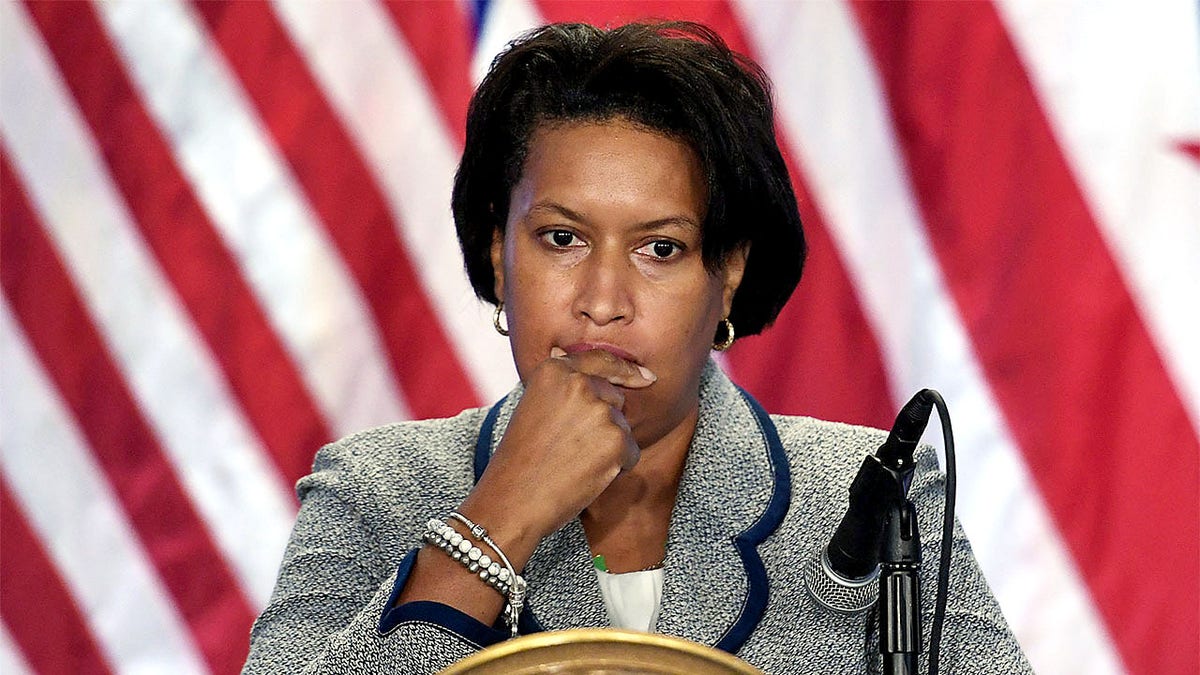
[650, 422]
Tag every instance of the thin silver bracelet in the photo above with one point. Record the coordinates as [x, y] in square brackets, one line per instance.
[516, 591]
[477, 531]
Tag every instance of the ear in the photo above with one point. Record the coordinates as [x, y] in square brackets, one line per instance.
[731, 273]
[498, 262]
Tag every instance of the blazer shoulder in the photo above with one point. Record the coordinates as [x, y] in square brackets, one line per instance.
[827, 455]
[403, 457]
[808, 438]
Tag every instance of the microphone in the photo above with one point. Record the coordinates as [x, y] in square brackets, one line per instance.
[842, 577]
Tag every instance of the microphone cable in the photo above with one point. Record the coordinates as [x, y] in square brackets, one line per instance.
[943, 579]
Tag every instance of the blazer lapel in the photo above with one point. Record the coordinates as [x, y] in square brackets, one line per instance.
[734, 493]
[563, 590]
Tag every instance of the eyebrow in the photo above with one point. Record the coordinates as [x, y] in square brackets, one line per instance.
[556, 208]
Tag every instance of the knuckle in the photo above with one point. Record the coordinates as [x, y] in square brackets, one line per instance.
[632, 458]
[577, 383]
[617, 418]
[618, 398]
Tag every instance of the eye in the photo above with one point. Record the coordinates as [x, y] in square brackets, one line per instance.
[561, 238]
[661, 249]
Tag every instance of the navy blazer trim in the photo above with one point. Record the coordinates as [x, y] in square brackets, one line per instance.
[526, 622]
[483, 443]
[427, 611]
[747, 542]
[439, 614]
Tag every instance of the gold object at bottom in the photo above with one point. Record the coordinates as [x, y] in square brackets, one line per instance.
[600, 651]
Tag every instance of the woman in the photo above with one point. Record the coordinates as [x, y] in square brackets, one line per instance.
[623, 203]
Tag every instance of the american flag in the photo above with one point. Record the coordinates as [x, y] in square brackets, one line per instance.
[226, 240]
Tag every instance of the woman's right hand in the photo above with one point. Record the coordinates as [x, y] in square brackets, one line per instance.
[567, 440]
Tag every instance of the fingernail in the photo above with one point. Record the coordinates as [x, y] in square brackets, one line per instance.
[647, 374]
[557, 352]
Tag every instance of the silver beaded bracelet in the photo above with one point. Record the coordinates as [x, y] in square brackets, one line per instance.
[504, 579]
[472, 558]
[516, 591]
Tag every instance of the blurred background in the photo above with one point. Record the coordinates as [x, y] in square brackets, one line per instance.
[226, 240]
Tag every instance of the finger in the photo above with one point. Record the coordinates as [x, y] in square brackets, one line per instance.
[630, 452]
[607, 392]
[608, 366]
[599, 387]
[631, 456]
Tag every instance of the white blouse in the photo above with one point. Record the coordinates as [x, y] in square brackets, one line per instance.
[633, 598]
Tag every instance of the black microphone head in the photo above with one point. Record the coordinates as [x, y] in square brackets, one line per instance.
[897, 451]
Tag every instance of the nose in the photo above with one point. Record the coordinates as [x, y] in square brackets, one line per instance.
[603, 292]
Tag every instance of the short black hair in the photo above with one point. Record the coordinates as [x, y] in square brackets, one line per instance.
[676, 78]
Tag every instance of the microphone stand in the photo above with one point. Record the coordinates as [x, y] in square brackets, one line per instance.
[900, 549]
[900, 592]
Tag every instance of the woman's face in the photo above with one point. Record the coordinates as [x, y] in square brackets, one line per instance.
[602, 251]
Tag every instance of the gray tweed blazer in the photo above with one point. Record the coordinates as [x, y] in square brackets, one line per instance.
[759, 495]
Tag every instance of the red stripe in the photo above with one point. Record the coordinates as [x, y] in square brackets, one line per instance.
[74, 356]
[347, 200]
[37, 608]
[1190, 148]
[191, 253]
[440, 36]
[821, 357]
[1060, 338]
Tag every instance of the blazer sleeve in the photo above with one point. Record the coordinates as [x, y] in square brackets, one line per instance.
[325, 612]
[975, 637]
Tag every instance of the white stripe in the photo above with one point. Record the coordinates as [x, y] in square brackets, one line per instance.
[1120, 83]
[220, 463]
[376, 86]
[505, 20]
[59, 486]
[253, 200]
[832, 107]
[12, 662]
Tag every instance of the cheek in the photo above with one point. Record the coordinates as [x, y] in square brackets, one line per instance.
[701, 304]
[687, 318]
[534, 304]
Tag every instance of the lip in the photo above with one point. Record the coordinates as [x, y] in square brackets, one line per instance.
[611, 349]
